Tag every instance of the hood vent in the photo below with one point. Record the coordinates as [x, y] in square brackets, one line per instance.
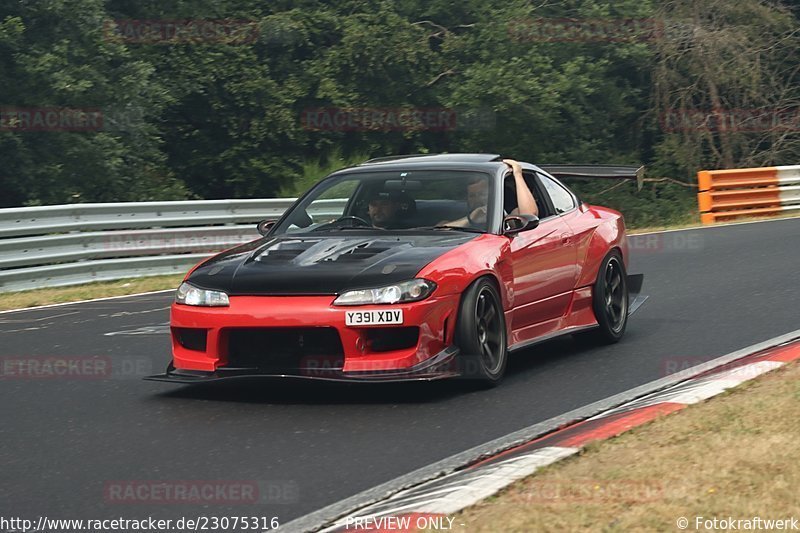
[284, 251]
[304, 252]
[359, 253]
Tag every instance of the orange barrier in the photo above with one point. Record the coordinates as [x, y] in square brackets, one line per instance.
[747, 192]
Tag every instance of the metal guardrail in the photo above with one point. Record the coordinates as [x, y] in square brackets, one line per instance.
[60, 245]
[735, 193]
[20, 221]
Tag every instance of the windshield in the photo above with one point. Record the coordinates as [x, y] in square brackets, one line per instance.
[441, 200]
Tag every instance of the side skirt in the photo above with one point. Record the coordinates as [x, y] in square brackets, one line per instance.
[549, 336]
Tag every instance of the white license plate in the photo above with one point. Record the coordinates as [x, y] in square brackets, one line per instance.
[373, 318]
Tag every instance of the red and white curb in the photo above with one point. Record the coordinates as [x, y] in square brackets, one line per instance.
[430, 504]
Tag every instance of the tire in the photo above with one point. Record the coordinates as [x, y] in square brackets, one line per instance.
[481, 335]
[610, 301]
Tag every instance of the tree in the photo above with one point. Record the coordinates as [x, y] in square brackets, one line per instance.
[54, 55]
[726, 85]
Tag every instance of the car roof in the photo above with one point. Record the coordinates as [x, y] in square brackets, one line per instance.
[490, 163]
[433, 158]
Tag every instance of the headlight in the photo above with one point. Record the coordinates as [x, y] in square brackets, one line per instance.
[406, 291]
[191, 295]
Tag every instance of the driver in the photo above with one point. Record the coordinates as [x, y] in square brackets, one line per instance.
[383, 209]
[478, 199]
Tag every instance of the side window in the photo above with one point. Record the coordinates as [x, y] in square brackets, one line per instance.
[510, 194]
[561, 198]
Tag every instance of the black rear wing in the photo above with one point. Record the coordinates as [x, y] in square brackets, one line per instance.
[597, 171]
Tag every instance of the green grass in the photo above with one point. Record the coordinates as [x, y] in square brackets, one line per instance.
[54, 295]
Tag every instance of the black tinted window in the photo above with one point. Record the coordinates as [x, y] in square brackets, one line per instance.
[561, 198]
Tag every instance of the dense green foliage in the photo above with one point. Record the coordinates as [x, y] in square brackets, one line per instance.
[217, 118]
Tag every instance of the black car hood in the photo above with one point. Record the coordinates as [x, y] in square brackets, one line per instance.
[325, 264]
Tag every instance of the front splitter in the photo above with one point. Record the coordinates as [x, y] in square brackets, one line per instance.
[440, 366]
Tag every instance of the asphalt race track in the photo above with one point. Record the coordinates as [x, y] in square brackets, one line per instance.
[65, 441]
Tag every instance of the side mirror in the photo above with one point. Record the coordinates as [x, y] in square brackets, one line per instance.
[513, 224]
[264, 226]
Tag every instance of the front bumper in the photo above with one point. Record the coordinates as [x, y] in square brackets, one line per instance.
[344, 353]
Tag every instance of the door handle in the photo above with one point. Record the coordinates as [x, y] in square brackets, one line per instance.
[566, 238]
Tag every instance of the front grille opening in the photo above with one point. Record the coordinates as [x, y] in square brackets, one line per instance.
[191, 338]
[285, 350]
[388, 339]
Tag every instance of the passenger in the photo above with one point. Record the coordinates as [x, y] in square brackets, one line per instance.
[478, 199]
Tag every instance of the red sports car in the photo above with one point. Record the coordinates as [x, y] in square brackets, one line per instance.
[407, 268]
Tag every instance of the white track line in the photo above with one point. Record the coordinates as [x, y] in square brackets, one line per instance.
[712, 226]
[84, 301]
